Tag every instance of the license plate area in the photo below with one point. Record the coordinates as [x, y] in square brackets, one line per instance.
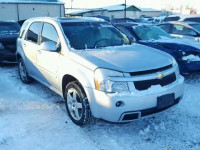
[165, 101]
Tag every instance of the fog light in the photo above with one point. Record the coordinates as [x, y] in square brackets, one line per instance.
[119, 103]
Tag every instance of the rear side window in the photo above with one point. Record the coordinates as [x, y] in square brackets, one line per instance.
[34, 31]
[196, 19]
[165, 27]
[49, 33]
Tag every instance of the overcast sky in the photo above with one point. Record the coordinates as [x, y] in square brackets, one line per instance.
[157, 4]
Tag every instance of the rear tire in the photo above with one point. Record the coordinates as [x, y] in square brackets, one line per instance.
[23, 72]
[77, 104]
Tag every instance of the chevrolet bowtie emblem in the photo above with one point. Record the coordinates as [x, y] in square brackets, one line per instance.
[159, 76]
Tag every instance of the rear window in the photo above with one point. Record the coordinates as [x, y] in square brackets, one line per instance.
[9, 28]
[196, 19]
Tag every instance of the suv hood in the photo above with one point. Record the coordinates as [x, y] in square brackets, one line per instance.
[131, 58]
[184, 45]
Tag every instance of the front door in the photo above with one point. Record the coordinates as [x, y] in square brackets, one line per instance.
[47, 60]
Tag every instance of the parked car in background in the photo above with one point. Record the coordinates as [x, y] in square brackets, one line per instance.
[188, 30]
[101, 17]
[97, 70]
[191, 18]
[172, 18]
[156, 20]
[186, 52]
[9, 31]
[129, 20]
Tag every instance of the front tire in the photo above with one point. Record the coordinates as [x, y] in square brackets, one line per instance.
[77, 103]
[23, 72]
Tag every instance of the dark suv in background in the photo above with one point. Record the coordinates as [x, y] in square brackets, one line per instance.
[9, 31]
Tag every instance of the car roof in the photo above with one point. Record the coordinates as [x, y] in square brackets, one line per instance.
[8, 21]
[130, 24]
[185, 23]
[185, 16]
[67, 19]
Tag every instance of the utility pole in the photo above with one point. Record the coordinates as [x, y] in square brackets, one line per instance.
[125, 10]
[71, 3]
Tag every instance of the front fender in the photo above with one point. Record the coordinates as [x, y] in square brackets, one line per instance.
[83, 74]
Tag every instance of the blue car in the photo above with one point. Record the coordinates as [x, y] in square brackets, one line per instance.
[9, 32]
[186, 52]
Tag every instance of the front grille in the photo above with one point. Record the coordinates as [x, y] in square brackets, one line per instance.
[151, 71]
[144, 85]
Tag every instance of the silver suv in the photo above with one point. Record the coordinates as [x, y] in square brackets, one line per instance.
[97, 70]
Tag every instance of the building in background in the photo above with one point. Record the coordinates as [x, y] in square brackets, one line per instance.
[116, 11]
[23, 9]
[150, 12]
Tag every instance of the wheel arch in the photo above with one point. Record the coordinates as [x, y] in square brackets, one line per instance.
[67, 79]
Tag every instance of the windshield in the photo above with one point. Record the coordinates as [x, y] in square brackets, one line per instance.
[9, 28]
[91, 35]
[150, 33]
[196, 26]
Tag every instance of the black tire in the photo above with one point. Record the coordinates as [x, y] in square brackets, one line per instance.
[25, 78]
[82, 99]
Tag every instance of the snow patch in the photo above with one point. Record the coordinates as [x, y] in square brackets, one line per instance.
[191, 57]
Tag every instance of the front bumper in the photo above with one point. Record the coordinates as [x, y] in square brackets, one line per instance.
[187, 67]
[6, 55]
[142, 103]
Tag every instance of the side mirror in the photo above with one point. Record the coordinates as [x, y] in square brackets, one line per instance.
[49, 46]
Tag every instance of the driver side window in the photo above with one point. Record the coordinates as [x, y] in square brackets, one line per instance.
[49, 33]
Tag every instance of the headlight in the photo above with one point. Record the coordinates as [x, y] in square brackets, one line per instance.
[174, 63]
[176, 67]
[1, 46]
[103, 82]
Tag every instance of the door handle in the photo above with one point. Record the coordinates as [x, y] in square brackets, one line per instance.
[39, 51]
[24, 45]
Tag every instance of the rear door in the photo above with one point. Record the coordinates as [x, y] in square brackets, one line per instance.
[30, 46]
[47, 60]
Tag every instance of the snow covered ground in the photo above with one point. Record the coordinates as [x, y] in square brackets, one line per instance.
[33, 118]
